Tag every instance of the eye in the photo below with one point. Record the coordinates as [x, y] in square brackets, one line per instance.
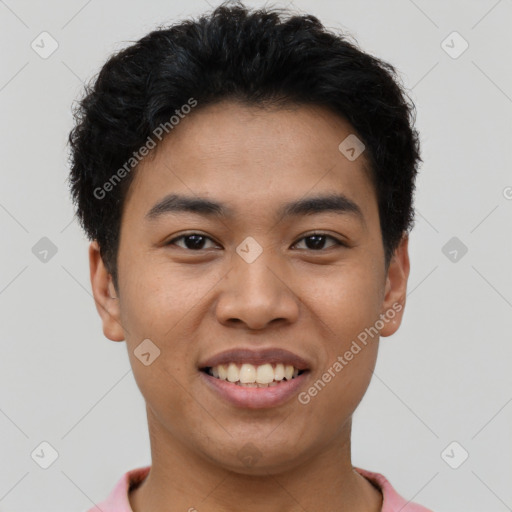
[197, 241]
[192, 241]
[317, 241]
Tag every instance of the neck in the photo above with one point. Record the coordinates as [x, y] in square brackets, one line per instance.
[188, 481]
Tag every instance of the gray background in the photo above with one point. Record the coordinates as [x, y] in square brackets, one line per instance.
[443, 377]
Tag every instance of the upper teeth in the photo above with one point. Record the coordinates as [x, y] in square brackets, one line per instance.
[248, 373]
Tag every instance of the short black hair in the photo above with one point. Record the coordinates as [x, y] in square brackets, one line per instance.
[262, 57]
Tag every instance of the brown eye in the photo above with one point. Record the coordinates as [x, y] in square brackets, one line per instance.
[316, 241]
[193, 242]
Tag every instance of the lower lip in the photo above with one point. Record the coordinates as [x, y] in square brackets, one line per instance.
[255, 398]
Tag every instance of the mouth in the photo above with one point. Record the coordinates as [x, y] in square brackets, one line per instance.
[254, 376]
[255, 379]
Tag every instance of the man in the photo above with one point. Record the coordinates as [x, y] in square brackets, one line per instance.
[246, 180]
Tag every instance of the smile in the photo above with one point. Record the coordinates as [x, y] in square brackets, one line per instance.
[254, 376]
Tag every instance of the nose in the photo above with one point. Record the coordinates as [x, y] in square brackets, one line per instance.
[254, 295]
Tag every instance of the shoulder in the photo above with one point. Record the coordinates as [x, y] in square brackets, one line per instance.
[392, 501]
[117, 500]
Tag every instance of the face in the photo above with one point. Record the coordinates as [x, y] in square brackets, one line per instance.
[252, 281]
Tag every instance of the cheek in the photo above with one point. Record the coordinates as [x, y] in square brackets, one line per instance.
[164, 388]
[159, 357]
[161, 304]
[346, 306]
[158, 294]
[335, 394]
[347, 301]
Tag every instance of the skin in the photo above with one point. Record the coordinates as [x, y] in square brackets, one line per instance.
[193, 304]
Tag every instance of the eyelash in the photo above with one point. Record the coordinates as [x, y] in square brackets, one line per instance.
[337, 241]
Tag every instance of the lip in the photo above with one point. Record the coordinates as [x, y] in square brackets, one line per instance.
[255, 398]
[256, 357]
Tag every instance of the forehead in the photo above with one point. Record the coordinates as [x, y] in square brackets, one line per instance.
[252, 158]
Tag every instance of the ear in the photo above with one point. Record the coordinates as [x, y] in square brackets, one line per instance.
[396, 288]
[105, 295]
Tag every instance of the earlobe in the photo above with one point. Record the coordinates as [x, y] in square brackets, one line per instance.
[105, 296]
[396, 289]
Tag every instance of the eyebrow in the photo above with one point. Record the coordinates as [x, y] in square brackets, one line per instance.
[335, 203]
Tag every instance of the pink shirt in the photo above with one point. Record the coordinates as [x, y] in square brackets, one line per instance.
[118, 501]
